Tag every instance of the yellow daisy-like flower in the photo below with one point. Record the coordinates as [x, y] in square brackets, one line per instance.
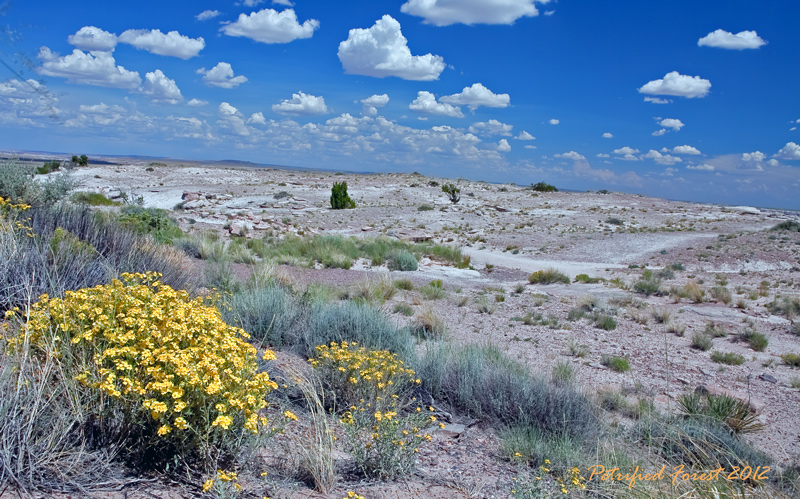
[209, 483]
[289, 415]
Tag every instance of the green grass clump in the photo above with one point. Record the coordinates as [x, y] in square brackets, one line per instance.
[585, 279]
[404, 309]
[701, 341]
[616, 363]
[404, 284]
[604, 321]
[548, 276]
[757, 341]
[721, 294]
[425, 207]
[702, 443]
[434, 290]
[730, 411]
[92, 199]
[714, 330]
[728, 358]
[791, 359]
[648, 284]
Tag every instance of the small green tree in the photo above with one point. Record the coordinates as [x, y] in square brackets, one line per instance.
[453, 192]
[339, 198]
[84, 160]
[543, 187]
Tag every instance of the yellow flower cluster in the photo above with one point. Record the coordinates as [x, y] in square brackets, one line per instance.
[152, 348]
[544, 488]
[8, 213]
[358, 373]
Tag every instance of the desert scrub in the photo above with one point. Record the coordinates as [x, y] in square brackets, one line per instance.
[179, 383]
[616, 363]
[402, 260]
[36, 260]
[483, 382]
[153, 221]
[728, 358]
[548, 276]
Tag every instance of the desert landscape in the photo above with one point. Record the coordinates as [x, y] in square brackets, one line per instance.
[635, 302]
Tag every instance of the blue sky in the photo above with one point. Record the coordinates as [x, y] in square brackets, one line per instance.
[683, 100]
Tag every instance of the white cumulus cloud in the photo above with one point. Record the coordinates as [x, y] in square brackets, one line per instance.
[271, 26]
[98, 68]
[789, 151]
[257, 119]
[491, 127]
[554, 121]
[426, 103]
[197, 102]
[523, 135]
[659, 133]
[662, 159]
[475, 96]
[570, 155]
[757, 156]
[373, 102]
[685, 150]
[300, 104]
[93, 38]
[382, 51]
[607, 135]
[207, 14]
[447, 12]
[657, 100]
[725, 40]
[678, 85]
[160, 88]
[704, 167]
[221, 76]
[503, 146]
[226, 109]
[171, 44]
[626, 150]
[673, 123]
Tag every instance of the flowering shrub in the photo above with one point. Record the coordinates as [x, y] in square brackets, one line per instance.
[383, 426]
[361, 375]
[181, 380]
[385, 443]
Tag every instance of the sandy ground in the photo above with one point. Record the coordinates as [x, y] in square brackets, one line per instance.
[510, 232]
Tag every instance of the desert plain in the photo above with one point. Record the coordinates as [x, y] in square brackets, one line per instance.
[509, 232]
